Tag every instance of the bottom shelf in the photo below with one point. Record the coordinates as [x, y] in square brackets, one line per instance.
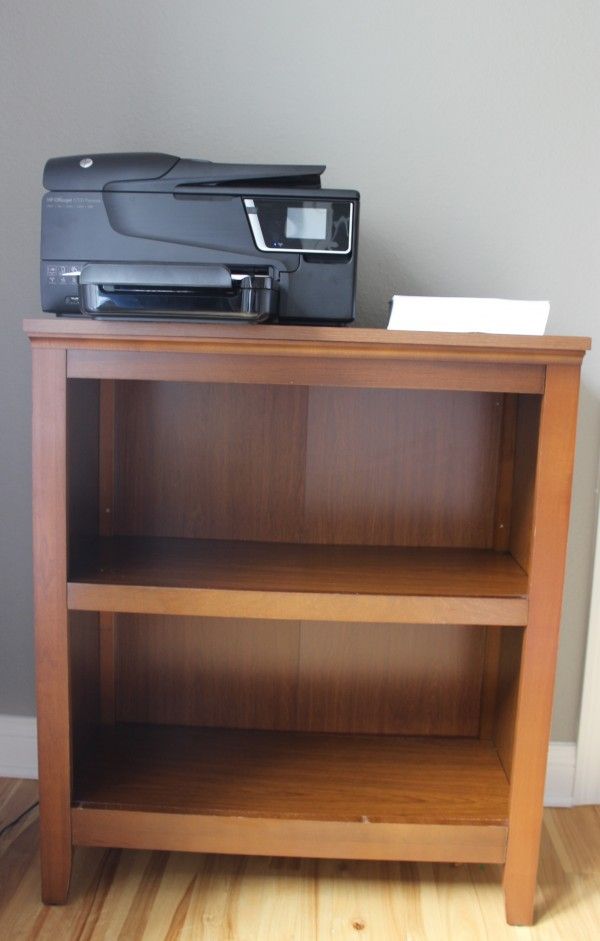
[291, 793]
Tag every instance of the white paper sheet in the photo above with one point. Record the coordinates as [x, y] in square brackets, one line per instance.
[468, 315]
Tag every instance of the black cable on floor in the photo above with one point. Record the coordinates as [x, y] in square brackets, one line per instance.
[13, 823]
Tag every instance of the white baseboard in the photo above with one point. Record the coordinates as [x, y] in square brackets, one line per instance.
[560, 775]
[18, 747]
[18, 759]
[587, 772]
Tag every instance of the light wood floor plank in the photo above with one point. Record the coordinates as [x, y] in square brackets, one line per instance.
[576, 838]
[366, 900]
[142, 896]
[214, 901]
[119, 915]
[460, 914]
[171, 904]
[15, 797]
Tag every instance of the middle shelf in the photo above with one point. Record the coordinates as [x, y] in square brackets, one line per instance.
[232, 578]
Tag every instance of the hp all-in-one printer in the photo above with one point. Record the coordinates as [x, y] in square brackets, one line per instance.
[150, 236]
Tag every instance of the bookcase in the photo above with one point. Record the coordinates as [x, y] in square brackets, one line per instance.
[298, 590]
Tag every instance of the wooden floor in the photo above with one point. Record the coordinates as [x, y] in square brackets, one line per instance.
[138, 896]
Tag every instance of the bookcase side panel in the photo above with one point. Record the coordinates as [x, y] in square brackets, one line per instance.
[82, 459]
[527, 432]
[84, 671]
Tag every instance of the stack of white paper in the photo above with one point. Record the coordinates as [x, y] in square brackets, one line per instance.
[468, 315]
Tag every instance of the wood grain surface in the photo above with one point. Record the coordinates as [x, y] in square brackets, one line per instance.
[205, 671]
[70, 329]
[105, 527]
[386, 467]
[505, 472]
[311, 676]
[50, 521]
[292, 775]
[291, 477]
[83, 456]
[356, 466]
[209, 461]
[288, 368]
[229, 603]
[279, 836]
[216, 578]
[182, 896]
[84, 674]
[264, 566]
[390, 678]
[523, 490]
[550, 522]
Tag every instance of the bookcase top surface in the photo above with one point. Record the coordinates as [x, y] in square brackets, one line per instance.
[64, 331]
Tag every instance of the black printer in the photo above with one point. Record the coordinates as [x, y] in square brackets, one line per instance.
[152, 236]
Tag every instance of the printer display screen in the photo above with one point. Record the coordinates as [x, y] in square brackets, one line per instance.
[306, 222]
[300, 225]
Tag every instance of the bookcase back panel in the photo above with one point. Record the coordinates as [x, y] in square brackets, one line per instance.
[292, 464]
[201, 671]
[402, 467]
[209, 461]
[309, 676]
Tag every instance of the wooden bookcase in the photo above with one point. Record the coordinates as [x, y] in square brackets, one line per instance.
[298, 590]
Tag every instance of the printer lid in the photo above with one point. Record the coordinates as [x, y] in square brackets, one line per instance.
[162, 172]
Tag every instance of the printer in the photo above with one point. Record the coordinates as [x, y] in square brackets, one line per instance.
[151, 236]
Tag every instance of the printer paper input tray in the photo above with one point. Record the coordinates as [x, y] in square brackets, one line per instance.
[202, 292]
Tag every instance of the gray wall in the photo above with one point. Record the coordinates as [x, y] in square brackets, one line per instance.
[470, 128]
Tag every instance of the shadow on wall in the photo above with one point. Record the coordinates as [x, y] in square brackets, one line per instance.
[381, 274]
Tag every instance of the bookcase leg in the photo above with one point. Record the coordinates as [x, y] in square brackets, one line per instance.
[538, 662]
[56, 857]
[519, 893]
[51, 619]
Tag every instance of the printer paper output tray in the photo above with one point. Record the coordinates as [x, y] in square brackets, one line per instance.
[207, 292]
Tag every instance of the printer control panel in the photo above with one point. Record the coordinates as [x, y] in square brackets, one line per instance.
[62, 279]
[62, 272]
[307, 226]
